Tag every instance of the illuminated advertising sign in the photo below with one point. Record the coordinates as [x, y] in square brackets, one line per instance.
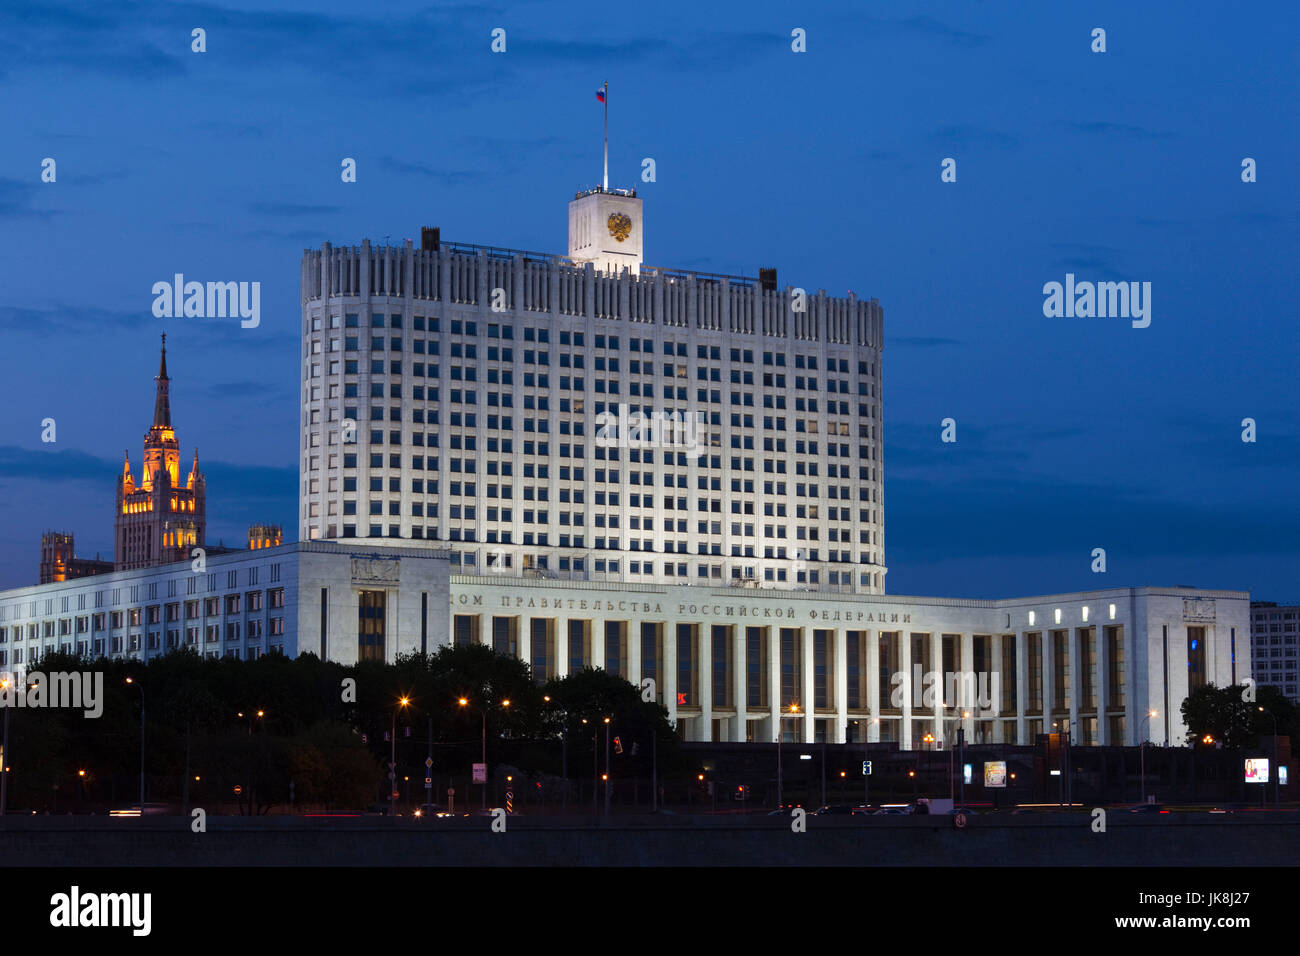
[1257, 770]
[995, 773]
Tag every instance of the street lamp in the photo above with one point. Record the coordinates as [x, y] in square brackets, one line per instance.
[780, 722]
[4, 754]
[392, 758]
[1143, 753]
[564, 755]
[606, 766]
[252, 718]
[1277, 793]
[464, 702]
[132, 681]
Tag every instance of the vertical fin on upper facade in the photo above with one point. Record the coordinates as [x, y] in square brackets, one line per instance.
[162, 412]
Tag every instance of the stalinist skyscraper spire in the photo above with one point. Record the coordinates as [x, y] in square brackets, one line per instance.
[159, 519]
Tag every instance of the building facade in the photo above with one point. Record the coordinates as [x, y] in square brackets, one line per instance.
[336, 602]
[1273, 637]
[473, 396]
[728, 664]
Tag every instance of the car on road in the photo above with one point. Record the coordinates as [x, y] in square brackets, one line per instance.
[834, 810]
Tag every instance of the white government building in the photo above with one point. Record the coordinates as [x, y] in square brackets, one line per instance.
[460, 484]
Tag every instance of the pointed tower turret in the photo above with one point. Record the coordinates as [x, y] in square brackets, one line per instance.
[160, 519]
[162, 410]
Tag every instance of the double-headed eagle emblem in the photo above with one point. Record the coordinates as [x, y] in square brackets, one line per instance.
[620, 226]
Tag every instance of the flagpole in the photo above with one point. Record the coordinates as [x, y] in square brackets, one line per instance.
[607, 136]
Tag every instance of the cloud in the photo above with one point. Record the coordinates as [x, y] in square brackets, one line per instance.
[966, 135]
[50, 463]
[450, 177]
[17, 198]
[1121, 130]
[65, 318]
[288, 209]
[925, 26]
[928, 26]
[921, 341]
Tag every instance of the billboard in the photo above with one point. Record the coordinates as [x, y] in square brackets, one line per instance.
[995, 773]
[1257, 770]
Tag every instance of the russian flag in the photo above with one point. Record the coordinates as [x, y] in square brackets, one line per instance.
[600, 95]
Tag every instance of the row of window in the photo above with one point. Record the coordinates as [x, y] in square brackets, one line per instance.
[577, 339]
[250, 602]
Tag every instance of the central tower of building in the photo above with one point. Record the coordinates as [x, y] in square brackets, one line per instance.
[605, 229]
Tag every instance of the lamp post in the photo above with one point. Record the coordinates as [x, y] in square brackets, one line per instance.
[392, 758]
[866, 752]
[251, 718]
[780, 780]
[1143, 753]
[961, 743]
[564, 756]
[606, 766]
[1277, 792]
[595, 767]
[4, 755]
[464, 702]
[132, 681]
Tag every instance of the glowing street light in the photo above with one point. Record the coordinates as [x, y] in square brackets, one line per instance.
[392, 757]
[1142, 751]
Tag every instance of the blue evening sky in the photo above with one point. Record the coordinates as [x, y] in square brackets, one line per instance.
[1072, 433]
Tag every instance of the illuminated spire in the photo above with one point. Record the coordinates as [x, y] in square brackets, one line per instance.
[194, 469]
[162, 411]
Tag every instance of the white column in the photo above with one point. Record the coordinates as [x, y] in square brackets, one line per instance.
[967, 666]
[633, 663]
[525, 638]
[1049, 675]
[706, 681]
[1076, 684]
[905, 665]
[840, 685]
[873, 685]
[598, 643]
[562, 647]
[1103, 685]
[738, 671]
[776, 705]
[668, 680]
[1022, 686]
[808, 704]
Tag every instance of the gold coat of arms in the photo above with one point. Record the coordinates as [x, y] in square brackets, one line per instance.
[620, 226]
